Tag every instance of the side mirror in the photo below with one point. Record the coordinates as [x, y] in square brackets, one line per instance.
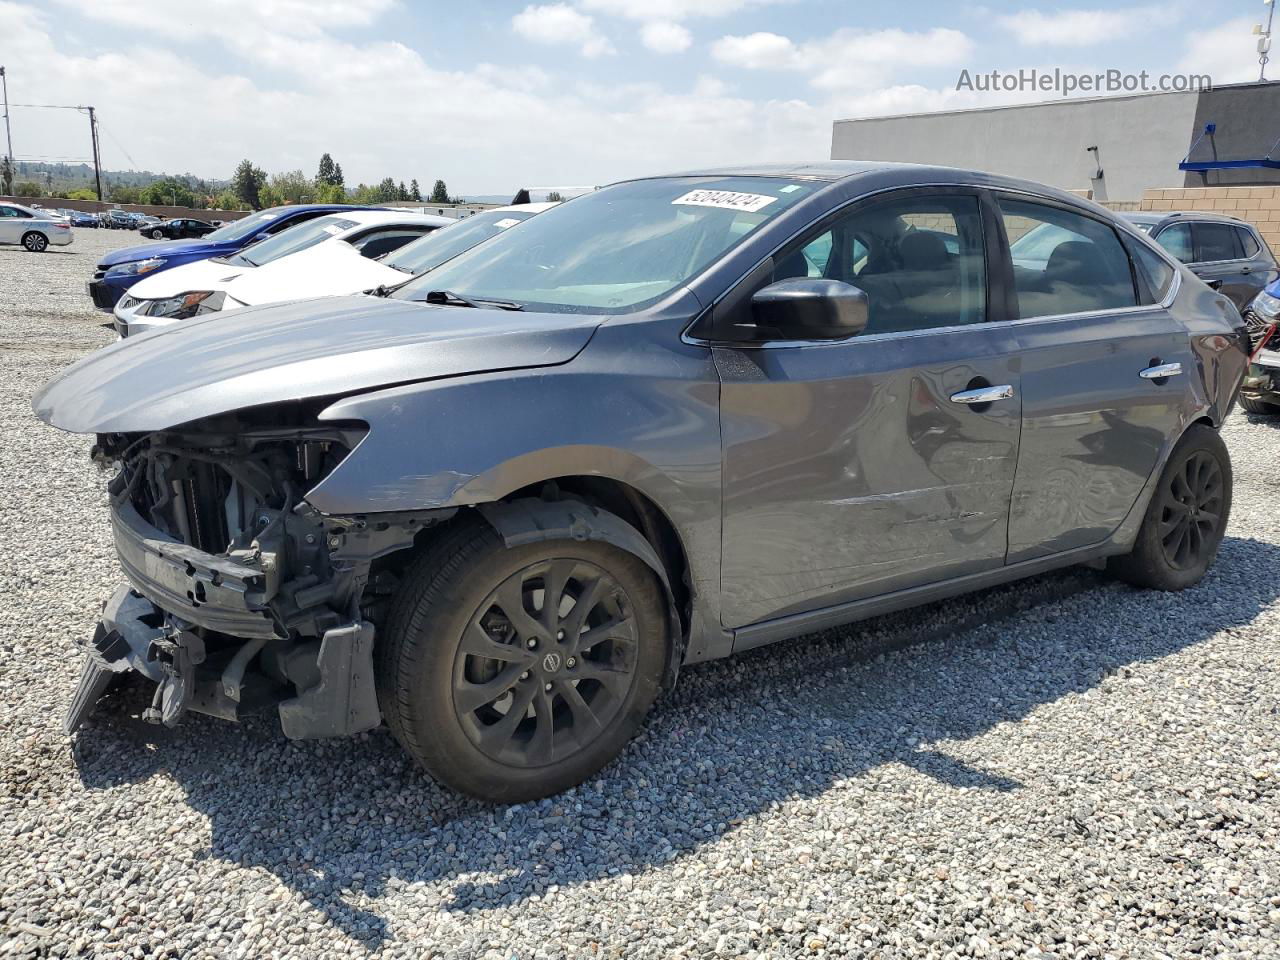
[807, 308]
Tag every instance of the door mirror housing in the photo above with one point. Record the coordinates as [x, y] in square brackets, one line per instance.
[810, 308]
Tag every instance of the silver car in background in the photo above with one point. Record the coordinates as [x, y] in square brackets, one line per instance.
[34, 229]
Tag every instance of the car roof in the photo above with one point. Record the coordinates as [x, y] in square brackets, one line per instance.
[526, 207]
[373, 218]
[889, 174]
[1156, 217]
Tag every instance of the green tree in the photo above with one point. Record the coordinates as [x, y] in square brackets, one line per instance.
[402, 192]
[227, 200]
[168, 192]
[292, 186]
[330, 193]
[81, 194]
[125, 193]
[414, 192]
[247, 183]
[439, 193]
[386, 190]
[338, 181]
[25, 188]
[554, 197]
[325, 173]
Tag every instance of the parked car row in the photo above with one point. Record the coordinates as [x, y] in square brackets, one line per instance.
[501, 498]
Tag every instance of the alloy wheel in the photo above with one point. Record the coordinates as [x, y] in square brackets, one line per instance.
[35, 242]
[1191, 510]
[546, 663]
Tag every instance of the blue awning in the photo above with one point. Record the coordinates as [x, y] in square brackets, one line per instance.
[1270, 161]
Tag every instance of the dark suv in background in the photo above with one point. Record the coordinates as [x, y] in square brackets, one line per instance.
[501, 505]
[1226, 253]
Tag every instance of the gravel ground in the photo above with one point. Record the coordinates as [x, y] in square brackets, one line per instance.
[1062, 768]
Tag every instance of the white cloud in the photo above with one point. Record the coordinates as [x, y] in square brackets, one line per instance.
[670, 9]
[1080, 28]
[757, 51]
[1227, 53]
[381, 110]
[663, 36]
[848, 58]
[559, 23]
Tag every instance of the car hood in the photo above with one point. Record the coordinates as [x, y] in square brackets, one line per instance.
[166, 248]
[199, 275]
[330, 347]
[324, 270]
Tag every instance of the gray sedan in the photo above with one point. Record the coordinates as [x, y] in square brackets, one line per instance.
[502, 505]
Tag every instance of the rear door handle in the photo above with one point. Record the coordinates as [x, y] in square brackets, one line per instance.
[1160, 371]
[1244, 270]
[1214, 284]
[983, 394]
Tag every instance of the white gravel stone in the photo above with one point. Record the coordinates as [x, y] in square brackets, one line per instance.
[1062, 768]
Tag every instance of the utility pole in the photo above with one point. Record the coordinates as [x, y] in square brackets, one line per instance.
[93, 132]
[1264, 40]
[8, 134]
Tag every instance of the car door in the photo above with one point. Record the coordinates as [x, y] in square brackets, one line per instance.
[859, 467]
[1095, 414]
[10, 225]
[1221, 262]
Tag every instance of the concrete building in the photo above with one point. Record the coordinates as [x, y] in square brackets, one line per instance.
[1113, 147]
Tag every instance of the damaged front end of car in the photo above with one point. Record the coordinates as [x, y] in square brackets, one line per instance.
[240, 595]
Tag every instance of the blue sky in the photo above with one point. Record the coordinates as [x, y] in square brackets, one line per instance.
[491, 95]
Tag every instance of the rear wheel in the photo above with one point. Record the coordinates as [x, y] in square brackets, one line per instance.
[157, 234]
[1260, 406]
[1186, 518]
[35, 242]
[512, 674]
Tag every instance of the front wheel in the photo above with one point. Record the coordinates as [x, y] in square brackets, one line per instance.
[1261, 407]
[1186, 518]
[157, 234]
[515, 673]
[35, 242]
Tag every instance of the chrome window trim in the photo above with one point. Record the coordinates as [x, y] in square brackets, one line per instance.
[1164, 304]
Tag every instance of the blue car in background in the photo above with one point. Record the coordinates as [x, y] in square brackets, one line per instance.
[120, 269]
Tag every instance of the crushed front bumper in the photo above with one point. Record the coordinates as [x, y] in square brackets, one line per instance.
[194, 624]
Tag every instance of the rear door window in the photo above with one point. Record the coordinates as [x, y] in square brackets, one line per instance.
[1064, 262]
[1216, 241]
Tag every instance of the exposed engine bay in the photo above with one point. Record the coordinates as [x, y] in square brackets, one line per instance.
[242, 596]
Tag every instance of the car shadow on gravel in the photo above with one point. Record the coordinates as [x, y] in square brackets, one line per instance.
[345, 823]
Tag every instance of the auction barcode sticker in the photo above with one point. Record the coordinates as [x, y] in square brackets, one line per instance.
[507, 222]
[725, 200]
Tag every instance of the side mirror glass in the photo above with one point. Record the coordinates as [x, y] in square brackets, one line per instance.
[810, 308]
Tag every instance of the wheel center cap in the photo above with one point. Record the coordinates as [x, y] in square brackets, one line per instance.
[552, 662]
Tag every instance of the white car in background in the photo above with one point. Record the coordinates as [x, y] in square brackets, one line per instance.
[293, 259]
[321, 270]
[34, 229]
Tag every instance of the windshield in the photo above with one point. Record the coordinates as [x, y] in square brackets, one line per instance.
[445, 244]
[245, 226]
[615, 250]
[292, 240]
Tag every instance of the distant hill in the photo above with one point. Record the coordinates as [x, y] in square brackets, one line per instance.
[73, 176]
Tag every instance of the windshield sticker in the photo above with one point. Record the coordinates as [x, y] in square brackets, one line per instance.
[507, 222]
[725, 200]
[790, 189]
[333, 228]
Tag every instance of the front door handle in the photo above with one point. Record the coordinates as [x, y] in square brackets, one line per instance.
[983, 394]
[1160, 371]
[1245, 270]
[1214, 284]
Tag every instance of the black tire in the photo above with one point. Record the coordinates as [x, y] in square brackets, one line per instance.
[1261, 407]
[157, 234]
[427, 681]
[1186, 518]
[35, 242]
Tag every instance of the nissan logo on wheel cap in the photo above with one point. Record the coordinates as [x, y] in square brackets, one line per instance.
[551, 662]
